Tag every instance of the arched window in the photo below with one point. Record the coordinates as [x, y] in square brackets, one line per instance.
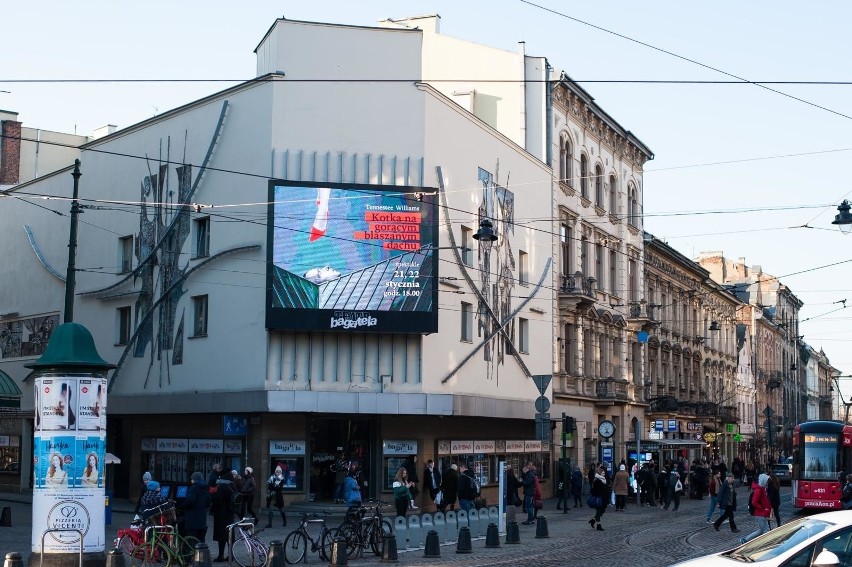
[565, 159]
[632, 206]
[613, 195]
[584, 176]
[599, 199]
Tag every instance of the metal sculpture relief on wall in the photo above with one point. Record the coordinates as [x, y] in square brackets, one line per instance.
[26, 337]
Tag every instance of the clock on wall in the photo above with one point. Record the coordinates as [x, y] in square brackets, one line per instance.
[606, 428]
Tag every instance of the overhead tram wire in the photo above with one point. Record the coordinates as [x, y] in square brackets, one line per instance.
[683, 58]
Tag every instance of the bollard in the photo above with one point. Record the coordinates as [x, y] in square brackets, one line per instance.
[433, 546]
[389, 552]
[6, 517]
[541, 528]
[513, 534]
[338, 553]
[201, 555]
[492, 537]
[115, 558]
[464, 545]
[276, 554]
[13, 559]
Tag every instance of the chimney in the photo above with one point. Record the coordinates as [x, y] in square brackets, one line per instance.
[10, 152]
[104, 131]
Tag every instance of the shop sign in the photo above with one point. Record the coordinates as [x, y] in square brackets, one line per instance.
[514, 446]
[693, 426]
[399, 447]
[205, 445]
[149, 444]
[532, 446]
[658, 425]
[671, 425]
[655, 435]
[499, 446]
[461, 447]
[444, 447]
[286, 447]
[173, 445]
[483, 447]
[233, 447]
[4, 441]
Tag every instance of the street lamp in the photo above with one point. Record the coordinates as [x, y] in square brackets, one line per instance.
[843, 219]
[485, 232]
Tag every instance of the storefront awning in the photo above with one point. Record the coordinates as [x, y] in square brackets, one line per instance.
[666, 444]
[10, 394]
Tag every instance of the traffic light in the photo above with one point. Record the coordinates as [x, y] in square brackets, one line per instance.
[567, 424]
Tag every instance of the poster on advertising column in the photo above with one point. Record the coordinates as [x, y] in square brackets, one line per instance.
[69, 448]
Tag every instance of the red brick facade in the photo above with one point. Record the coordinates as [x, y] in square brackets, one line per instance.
[10, 152]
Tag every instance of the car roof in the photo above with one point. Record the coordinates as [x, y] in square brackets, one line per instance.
[835, 517]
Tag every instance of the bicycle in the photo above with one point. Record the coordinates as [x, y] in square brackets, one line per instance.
[162, 544]
[359, 531]
[296, 542]
[247, 549]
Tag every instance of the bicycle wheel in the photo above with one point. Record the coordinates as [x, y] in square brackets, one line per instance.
[294, 547]
[126, 545]
[249, 552]
[186, 549]
[149, 554]
[349, 532]
[376, 536]
[327, 541]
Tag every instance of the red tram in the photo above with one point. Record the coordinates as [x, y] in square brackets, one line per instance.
[822, 455]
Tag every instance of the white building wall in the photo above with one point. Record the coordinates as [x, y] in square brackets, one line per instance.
[44, 151]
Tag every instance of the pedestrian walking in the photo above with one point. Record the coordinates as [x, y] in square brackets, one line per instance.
[411, 468]
[762, 508]
[222, 509]
[512, 485]
[402, 491]
[662, 485]
[528, 482]
[728, 503]
[432, 479]
[621, 486]
[351, 491]
[467, 488]
[275, 495]
[248, 489]
[600, 490]
[675, 487]
[773, 491]
[577, 487]
[713, 492]
[450, 488]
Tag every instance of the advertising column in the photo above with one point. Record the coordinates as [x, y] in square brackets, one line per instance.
[69, 444]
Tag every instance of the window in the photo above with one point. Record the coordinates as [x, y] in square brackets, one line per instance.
[632, 277]
[125, 254]
[613, 195]
[613, 280]
[466, 322]
[199, 316]
[523, 268]
[467, 246]
[565, 160]
[584, 256]
[584, 177]
[599, 199]
[202, 237]
[632, 206]
[599, 267]
[123, 325]
[565, 248]
[523, 335]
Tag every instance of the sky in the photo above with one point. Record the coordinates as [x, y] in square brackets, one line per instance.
[738, 168]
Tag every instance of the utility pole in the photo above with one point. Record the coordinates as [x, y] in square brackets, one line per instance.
[70, 274]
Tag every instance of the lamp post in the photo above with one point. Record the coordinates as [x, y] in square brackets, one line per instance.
[843, 218]
[70, 274]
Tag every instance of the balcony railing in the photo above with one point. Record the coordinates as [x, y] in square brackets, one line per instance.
[577, 284]
[611, 389]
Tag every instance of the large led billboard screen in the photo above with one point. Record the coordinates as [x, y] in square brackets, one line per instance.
[352, 257]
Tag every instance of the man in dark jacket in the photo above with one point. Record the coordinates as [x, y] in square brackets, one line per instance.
[728, 503]
[528, 482]
[432, 479]
[467, 487]
[195, 508]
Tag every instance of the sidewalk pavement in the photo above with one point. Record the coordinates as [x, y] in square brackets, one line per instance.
[640, 536]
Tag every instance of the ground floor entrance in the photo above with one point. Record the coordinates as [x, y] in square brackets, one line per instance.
[338, 444]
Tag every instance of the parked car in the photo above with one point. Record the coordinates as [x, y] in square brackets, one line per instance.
[821, 540]
[784, 473]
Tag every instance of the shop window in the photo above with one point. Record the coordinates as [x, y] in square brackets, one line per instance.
[10, 455]
[292, 468]
[390, 465]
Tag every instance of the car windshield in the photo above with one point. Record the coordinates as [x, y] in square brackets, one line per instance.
[779, 541]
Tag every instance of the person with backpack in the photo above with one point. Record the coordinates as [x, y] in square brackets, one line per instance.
[468, 487]
[759, 507]
[528, 481]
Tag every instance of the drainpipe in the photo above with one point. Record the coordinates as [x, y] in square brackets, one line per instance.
[523, 83]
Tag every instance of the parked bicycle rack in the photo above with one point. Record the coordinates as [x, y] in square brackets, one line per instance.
[53, 530]
[246, 524]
